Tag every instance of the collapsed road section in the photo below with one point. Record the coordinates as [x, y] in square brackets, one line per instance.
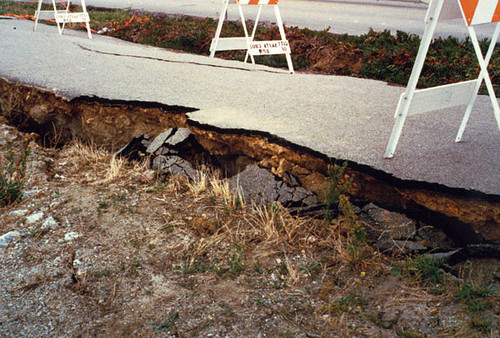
[466, 216]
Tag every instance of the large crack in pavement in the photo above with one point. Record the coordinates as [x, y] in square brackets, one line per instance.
[466, 216]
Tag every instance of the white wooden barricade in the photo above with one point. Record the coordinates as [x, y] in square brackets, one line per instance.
[63, 16]
[254, 48]
[413, 101]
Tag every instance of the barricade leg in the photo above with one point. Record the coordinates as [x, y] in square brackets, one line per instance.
[482, 76]
[87, 23]
[60, 27]
[66, 10]
[219, 29]
[254, 30]
[405, 103]
[243, 22]
[37, 14]
[283, 37]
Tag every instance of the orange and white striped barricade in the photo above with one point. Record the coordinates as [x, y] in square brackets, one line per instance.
[63, 16]
[254, 48]
[413, 101]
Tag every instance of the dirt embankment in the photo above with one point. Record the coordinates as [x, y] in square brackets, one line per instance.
[113, 124]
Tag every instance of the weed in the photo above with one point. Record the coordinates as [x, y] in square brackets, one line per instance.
[342, 305]
[115, 167]
[357, 255]
[235, 265]
[424, 269]
[34, 232]
[257, 269]
[192, 267]
[309, 268]
[102, 205]
[168, 322]
[12, 174]
[336, 185]
[473, 297]
[117, 198]
[219, 190]
[482, 325]
[357, 230]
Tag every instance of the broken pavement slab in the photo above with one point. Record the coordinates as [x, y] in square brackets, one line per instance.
[340, 117]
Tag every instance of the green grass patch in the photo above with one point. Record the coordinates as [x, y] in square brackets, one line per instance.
[12, 172]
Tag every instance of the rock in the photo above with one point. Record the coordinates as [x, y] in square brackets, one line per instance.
[49, 223]
[261, 186]
[145, 177]
[434, 238]
[179, 136]
[20, 212]
[136, 148]
[442, 256]
[71, 236]
[8, 237]
[383, 224]
[29, 193]
[387, 319]
[159, 141]
[34, 217]
[41, 113]
[290, 179]
[174, 165]
[170, 141]
[397, 246]
[410, 247]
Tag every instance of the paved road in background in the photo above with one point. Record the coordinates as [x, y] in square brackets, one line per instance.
[344, 16]
[341, 117]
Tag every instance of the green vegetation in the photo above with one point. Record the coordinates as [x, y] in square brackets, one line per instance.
[12, 171]
[475, 299]
[422, 268]
[168, 322]
[336, 185]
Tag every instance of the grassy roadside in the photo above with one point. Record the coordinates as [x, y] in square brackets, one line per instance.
[375, 55]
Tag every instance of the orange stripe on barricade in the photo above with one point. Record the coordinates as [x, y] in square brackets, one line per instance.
[478, 12]
[496, 15]
[469, 8]
[258, 2]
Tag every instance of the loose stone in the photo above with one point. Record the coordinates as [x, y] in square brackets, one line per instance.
[35, 217]
[8, 237]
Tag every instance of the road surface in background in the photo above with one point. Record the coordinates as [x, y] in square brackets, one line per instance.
[346, 16]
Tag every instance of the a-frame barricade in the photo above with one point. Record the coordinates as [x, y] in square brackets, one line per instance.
[414, 101]
[63, 16]
[253, 48]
